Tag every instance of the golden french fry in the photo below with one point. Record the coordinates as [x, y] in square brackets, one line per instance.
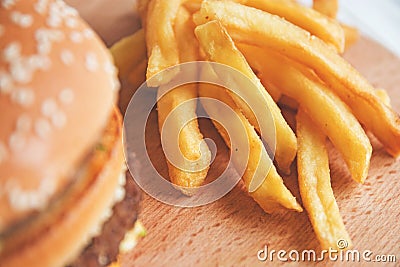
[383, 96]
[315, 187]
[192, 5]
[327, 110]
[130, 59]
[129, 52]
[273, 91]
[316, 23]
[296, 43]
[351, 35]
[161, 41]
[220, 48]
[190, 138]
[326, 7]
[187, 42]
[114, 264]
[272, 195]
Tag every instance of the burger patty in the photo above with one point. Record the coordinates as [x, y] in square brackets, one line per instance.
[104, 248]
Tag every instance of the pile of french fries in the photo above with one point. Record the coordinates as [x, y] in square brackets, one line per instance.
[292, 54]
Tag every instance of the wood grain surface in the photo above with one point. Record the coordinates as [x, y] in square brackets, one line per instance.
[230, 231]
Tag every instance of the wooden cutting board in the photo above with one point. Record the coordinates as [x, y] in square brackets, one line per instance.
[230, 231]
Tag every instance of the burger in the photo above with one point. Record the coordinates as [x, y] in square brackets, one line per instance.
[64, 195]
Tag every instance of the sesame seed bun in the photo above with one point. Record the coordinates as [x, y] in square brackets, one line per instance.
[58, 235]
[61, 157]
[57, 89]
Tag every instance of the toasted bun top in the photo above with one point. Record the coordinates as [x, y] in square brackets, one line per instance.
[57, 88]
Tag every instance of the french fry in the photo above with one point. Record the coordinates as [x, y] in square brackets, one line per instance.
[220, 48]
[130, 59]
[129, 52]
[190, 138]
[327, 110]
[161, 41]
[192, 5]
[326, 7]
[297, 44]
[351, 35]
[314, 183]
[272, 195]
[186, 40]
[273, 91]
[316, 23]
[383, 96]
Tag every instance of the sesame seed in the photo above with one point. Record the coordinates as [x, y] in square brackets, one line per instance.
[53, 21]
[20, 72]
[12, 51]
[23, 20]
[56, 35]
[26, 21]
[49, 107]
[107, 213]
[122, 177]
[102, 259]
[39, 62]
[7, 4]
[91, 62]
[68, 10]
[71, 22]
[44, 47]
[109, 68]
[59, 119]
[119, 194]
[76, 37]
[23, 200]
[66, 96]
[17, 141]
[45, 37]
[40, 6]
[42, 128]
[115, 84]
[3, 153]
[67, 57]
[24, 123]
[25, 97]
[6, 83]
[40, 34]
[54, 9]
[88, 33]
[17, 200]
